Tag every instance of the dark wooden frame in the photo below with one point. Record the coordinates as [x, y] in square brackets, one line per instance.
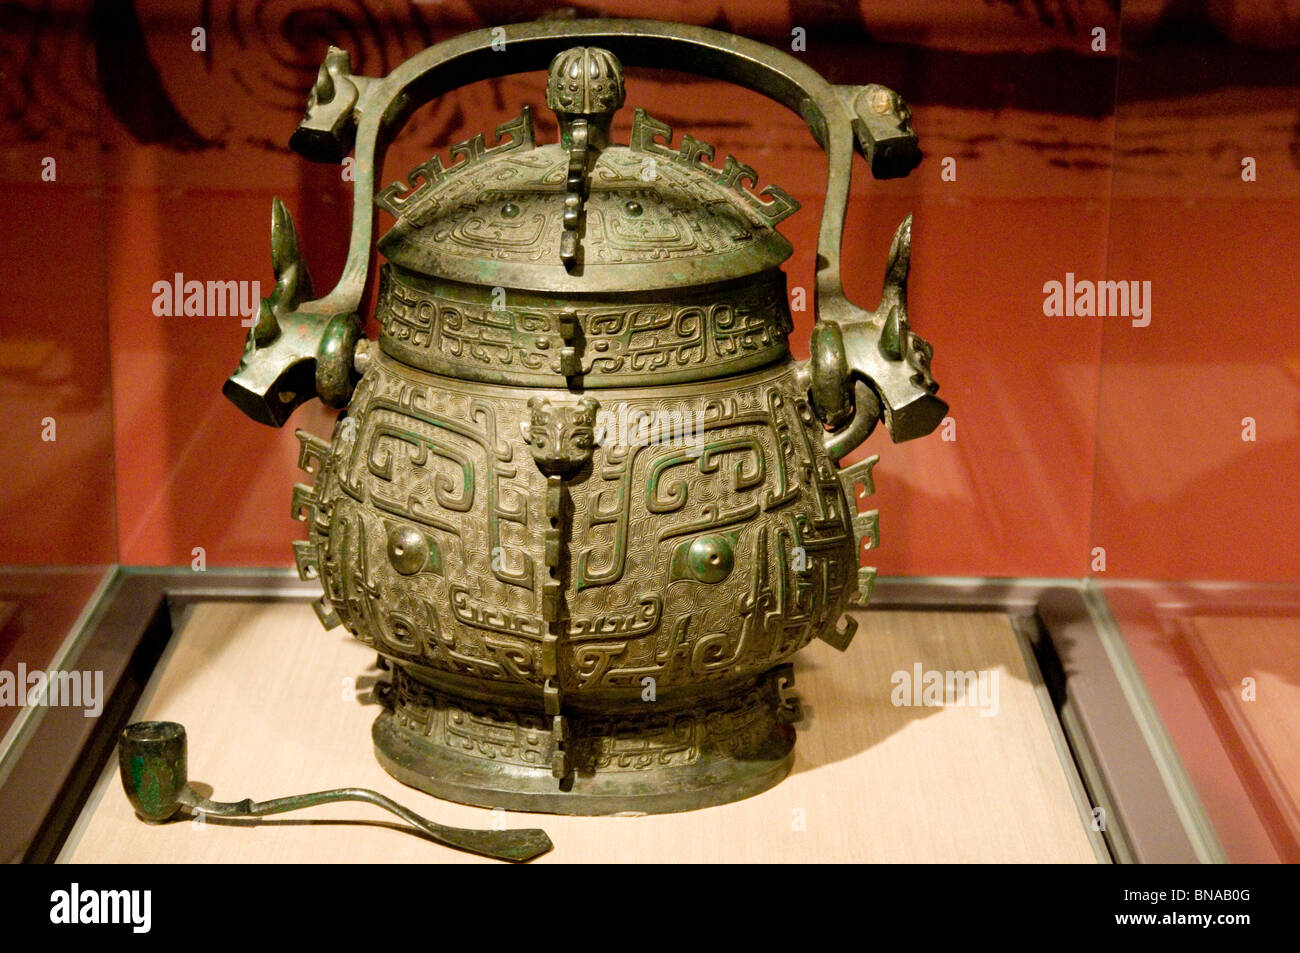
[55, 761]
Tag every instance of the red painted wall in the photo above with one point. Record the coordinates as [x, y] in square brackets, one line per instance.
[1071, 433]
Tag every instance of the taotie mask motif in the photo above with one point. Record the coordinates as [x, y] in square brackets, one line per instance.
[561, 436]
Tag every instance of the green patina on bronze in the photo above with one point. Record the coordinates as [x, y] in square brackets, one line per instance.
[705, 558]
[152, 764]
[582, 499]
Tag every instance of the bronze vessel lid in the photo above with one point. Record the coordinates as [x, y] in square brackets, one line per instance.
[583, 214]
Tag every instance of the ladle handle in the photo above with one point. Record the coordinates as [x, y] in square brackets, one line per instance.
[153, 761]
[516, 845]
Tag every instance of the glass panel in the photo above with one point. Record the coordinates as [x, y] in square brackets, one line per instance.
[1157, 443]
[1198, 434]
[57, 508]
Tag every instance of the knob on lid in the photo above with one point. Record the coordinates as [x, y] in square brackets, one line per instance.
[585, 81]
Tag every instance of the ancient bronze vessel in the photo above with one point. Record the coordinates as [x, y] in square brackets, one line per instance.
[582, 499]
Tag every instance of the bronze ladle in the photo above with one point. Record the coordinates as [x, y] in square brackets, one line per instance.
[153, 761]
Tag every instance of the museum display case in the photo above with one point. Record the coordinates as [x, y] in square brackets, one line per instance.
[1083, 639]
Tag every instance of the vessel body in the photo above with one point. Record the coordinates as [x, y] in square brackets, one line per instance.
[580, 498]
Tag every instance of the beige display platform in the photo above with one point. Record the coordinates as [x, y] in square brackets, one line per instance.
[274, 706]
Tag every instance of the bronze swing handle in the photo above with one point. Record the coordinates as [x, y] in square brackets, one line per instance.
[306, 348]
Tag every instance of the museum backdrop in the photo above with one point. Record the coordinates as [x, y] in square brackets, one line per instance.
[1069, 434]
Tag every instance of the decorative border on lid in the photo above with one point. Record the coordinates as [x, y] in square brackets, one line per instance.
[465, 332]
[414, 203]
[695, 154]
